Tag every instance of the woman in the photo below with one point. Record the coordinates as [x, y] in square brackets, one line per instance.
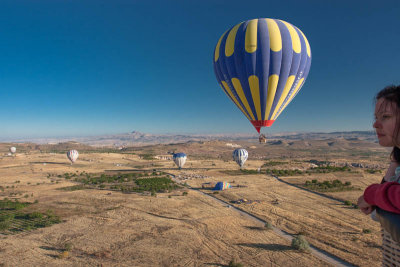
[385, 197]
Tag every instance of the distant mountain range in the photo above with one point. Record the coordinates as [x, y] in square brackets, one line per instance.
[136, 138]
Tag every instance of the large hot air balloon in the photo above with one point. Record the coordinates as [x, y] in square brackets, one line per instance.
[240, 155]
[179, 159]
[13, 149]
[261, 64]
[72, 155]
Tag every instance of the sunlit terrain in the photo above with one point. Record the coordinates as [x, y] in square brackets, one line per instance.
[109, 208]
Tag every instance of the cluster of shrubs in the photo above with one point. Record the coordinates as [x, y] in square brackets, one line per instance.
[69, 175]
[300, 243]
[284, 172]
[233, 263]
[153, 185]
[147, 156]
[320, 169]
[73, 187]
[245, 171]
[116, 178]
[240, 172]
[12, 218]
[273, 163]
[329, 186]
[326, 169]
[7, 204]
[128, 182]
[156, 184]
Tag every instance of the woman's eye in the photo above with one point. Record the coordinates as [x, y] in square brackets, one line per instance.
[383, 117]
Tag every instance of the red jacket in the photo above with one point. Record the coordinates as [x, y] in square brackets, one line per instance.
[386, 196]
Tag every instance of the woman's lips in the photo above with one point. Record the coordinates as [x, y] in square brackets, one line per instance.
[380, 135]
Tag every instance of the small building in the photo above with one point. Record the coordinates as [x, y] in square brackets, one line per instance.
[163, 157]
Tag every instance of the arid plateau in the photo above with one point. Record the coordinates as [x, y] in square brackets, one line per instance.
[113, 222]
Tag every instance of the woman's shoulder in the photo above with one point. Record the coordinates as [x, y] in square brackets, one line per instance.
[395, 177]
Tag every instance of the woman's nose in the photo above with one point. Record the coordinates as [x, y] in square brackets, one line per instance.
[376, 124]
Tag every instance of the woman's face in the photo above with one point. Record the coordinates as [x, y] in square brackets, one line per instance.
[385, 122]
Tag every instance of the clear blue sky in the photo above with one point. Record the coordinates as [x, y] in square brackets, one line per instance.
[70, 67]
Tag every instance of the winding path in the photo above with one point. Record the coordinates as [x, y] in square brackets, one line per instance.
[308, 190]
[317, 252]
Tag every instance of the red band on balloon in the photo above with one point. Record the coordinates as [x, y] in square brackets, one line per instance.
[259, 124]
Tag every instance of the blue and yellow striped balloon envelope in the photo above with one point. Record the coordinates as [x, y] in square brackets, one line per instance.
[261, 64]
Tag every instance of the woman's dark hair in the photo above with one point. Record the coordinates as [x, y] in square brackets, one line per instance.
[391, 94]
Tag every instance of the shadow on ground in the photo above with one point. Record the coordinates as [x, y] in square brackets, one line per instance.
[50, 162]
[271, 247]
[256, 228]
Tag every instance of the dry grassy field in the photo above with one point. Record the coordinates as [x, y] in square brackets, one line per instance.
[183, 227]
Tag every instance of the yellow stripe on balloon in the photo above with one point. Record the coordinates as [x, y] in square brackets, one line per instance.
[275, 39]
[255, 93]
[284, 94]
[272, 84]
[251, 36]
[234, 98]
[307, 44]
[292, 95]
[296, 44]
[239, 90]
[216, 55]
[230, 41]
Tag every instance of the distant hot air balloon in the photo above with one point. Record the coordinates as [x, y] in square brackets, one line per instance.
[179, 159]
[73, 155]
[13, 149]
[261, 64]
[240, 155]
